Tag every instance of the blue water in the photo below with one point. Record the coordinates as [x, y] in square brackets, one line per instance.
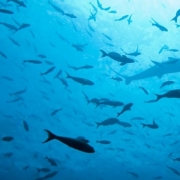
[50, 36]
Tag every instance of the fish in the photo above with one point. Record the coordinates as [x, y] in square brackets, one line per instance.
[135, 53]
[173, 50]
[51, 161]
[8, 154]
[3, 55]
[122, 18]
[113, 11]
[56, 111]
[41, 56]
[112, 132]
[103, 142]
[110, 103]
[48, 71]
[63, 38]
[69, 15]
[18, 92]
[158, 177]
[9, 26]
[58, 74]
[176, 159]
[19, 3]
[124, 124]
[15, 100]
[8, 138]
[82, 81]
[166, 83]
[92, 16]
[56, 8]
[64, 82]
[90, 27]
[162, 28]
[7, 78]
[79, 47]
[71, 142]
[127, 107]
[23, 26]
[108, 44]
[144, 90]
[93, 6]
[5, 11]
[14, 42]
[165, 47]
[129, 20]
[108, 122]
[172, 144]
[49, 63]
[170, 94]
[117, 57]
[50, 175]
[152, 126]
[174, 170]
[107, 36]
[117, 78]
[43, 170]
[88, 33]
[32, 61]
[133, 174]
[100, 6]
[137, 118]
[176, 16]
[26, 126]
[157, 71]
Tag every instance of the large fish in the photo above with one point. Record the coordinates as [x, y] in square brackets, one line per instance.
[158, 71]
[72, 142]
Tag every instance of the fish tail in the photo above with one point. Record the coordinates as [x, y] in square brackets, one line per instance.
[51, 136]
[174, 19]
[98, 124]
[24, 61]
[158, 97]
[103, 53]
[127, 79]
[97, 141]
[143, 125]
[39, 170]
[68, 76]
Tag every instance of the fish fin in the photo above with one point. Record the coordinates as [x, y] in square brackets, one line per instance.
[39, 170]
[123, 63]
[174, 19]
[103, 53]
[127, 79]
[98, 124]
[51, 136]
[158, 97]
[143, 125]
[68, 76]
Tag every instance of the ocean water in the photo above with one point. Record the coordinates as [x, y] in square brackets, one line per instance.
[102, 71]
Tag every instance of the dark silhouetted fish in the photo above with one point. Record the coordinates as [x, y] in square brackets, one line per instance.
[82, 81]
[127, 107]
[56, 8]
[48, 71]
[79, 47]
[113, 11]
[8, 154]
[43, 170]
[103, 142]
[9, 26]
[50, 175]
[135, 53]
[3, 55]
[117, 78]
[92, 16]
[100, 6]
[124, 124]
[158, 177]
[176, 16]
[62, 38]
[90, 27]
[137, 118]
[5, 11]
[18, 92]
[49, 63]
[176, 159]
[63, 81]
[41, 56]
[108, 122]
[144, 90]
[7, 78]
[32, 61]
[23, 26]
[51, 161]
[74, 143]
[58, 74]
[122, 18]
[26, 126]
[106, 36]
[19, 3]
[15, 100]
[152, 126]
[133, 174]
[167, 83]
[110, 103]
[69, 15]
[93, 6]
[55, 111]
[165, 47]
[14, 42]
[157, 71]
[129, 20]
[162, 28]
[173, 50]
[109, 44]
[174, 170]
[8, 138]
[112, 132]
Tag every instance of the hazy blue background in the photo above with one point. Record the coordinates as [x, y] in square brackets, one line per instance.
[78, 118]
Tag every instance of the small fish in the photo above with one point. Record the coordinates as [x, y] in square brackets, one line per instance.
[6, 11]
[152, 126]
[15, 100]
[56, 8]
[117, 78]
[90, 27]
[51, 161]
[64, 82]
[26, 167]
[23, 26]
[14, 42]
[122, 18]
[106, 36]
[174, 170]
[43, 170]
[133, 174]
[18, 92]
[108, 122]
[10, 26]
[69, 15]
[144, 90]
[162, 28]
[166, 83]
[8, 138]
[74, 143]
[129, 20]
[8, 154]
[48, 71]
[137, 118]
[50, 175]
[112, 132]
[26, 126]
[103, 142]
[173, 50]
[124, 124]
[32, 61]
[58, 74]
[41, 56]
[127, 107]
[20, 3]
[3, 55]
[7, 78]
[113, 11]
[102, 8]
[49, 63]
[55, 111]
[158, 177]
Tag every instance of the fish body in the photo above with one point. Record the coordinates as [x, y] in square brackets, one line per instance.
[103, 142]
[18, 92]
[107, 36]
[10, 26]
[176, 16]
[5, 11]
[48, 71]
[26, 126]
[55, 111]
[14, 42]
[137, 118]
[8, 138]
[162, 28]
[23, 26]
[32, 61]
[69, 15]
[63, 81]
[74, 143]
[108, 122]
[58, 74]
[51, 161]
[152, 126]
[144, 90]
[166, 83]
[56, 8]
[19, 3]
[82, 81]
[3, 55]
[174, 170]
[133, 174]
[122, 18]
[127, 107]
[124, 124]
[42, 56]
[43, 170]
